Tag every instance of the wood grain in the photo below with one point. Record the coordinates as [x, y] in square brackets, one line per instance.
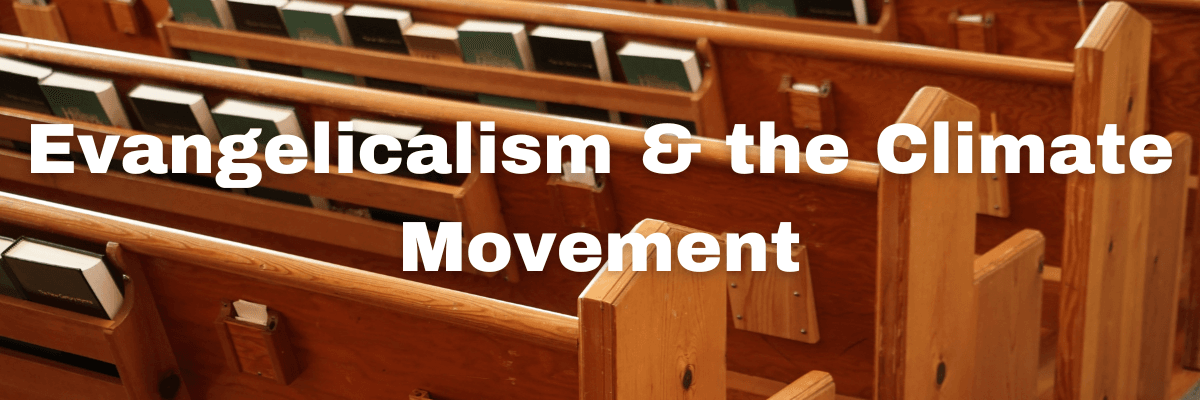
[142, 352]
[774, 302]
[1164, 261]
[814, 385]
[1104, 271]
[652, 334]
[1008, 303]
[927, 225]
[34, 378]
[472, 312]
[42, 22]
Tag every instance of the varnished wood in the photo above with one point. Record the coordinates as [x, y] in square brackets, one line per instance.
[474, 312]
[1008, 302]
[443, 74]
[141, 349]
[1104, 270]
[42, 22]
[34, 378]
[816, 385]
[589, 208]
[774, 302]
[125, 16]
[924, 320]
[651, 334]
[1164, 261]
[862, 175]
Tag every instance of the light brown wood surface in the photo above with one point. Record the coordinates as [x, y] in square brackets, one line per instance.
[1164, 261]
[1104, 270]
[42, 22]
[814, 385]
[1008, 303]
[774, 302]
[653, 334]
[925, 320]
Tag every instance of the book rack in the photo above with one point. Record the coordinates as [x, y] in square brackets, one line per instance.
[467, 203]
[883, 13]
[702, 106]
[133, 341]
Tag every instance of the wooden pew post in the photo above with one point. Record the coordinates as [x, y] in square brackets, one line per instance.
[1109, 262]
[925, 324]
[1008, 304]
[653, 335]
[143, 355]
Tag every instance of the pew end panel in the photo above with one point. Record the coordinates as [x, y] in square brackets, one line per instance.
[651, 334]
[925, 322]
[1109, 262]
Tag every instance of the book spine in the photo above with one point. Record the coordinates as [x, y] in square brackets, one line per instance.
[9, 285]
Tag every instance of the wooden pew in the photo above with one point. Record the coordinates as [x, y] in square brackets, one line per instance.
[843, 324]
[1039, 206]
[1124, 241]
[356, 334]
[849, 199]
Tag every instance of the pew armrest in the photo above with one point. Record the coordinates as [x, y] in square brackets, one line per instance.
[815, 385]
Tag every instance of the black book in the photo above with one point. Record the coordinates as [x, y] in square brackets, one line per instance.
[649, 121]
[365, 128]
[399, 218]
[576, 111]
[378, 28]
[838, 10]
[568, 51]
[63, 277]
[8, 286]
[259, 16]
[275, 68]
[402, 87]
[19, 87]
[168, 111]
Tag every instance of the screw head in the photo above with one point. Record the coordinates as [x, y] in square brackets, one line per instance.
[804, 331]
[795, 294]
[739, 316]
[733, 285]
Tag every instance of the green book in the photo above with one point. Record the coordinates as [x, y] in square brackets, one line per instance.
[215, 59]
[317, 22]
[709, 4]
[210, 13]
[660, 66]
[237, 117]
[783, 8]
[329, 76]
[501, 45]
[85, 99]
[496, 44]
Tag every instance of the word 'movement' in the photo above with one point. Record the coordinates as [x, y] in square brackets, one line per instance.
[824, 154]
